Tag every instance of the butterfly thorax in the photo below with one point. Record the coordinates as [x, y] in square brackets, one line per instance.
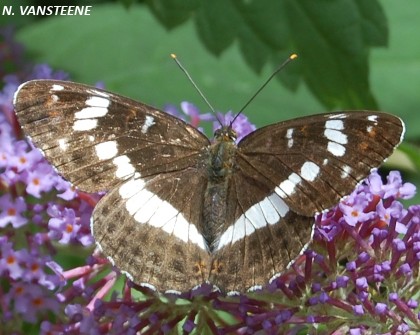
[220, 166]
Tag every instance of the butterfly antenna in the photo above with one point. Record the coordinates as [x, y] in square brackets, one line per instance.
[183, 69]
[287, 61]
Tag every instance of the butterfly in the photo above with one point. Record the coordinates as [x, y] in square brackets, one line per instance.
[181, 209]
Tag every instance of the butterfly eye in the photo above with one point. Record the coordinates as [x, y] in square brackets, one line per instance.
[232, 134]
[225, 134]
[218, 133]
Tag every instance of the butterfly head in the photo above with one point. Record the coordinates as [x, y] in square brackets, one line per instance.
[225, 134]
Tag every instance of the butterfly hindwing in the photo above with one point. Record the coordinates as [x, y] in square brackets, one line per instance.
[151, 231]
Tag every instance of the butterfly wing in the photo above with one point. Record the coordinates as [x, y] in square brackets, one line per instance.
[150, 227]
[150, 162]
[96, 138]
[286, 173]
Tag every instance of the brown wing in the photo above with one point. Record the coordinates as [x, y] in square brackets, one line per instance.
[150, 230]
[96, 138]
[150, 162]
[287, 172]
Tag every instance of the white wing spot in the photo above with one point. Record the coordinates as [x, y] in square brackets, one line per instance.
[256, 216]
[149, 286]
[124, 166]
[346, 171]
[85, 124]
[336, 149]
[106, 150]
[144, 215]
[337, 116]
[289, 136]
[337, 139]
[266, 212]
[97, 102]
[148, 208]
[130, 188]
[96, 92]
[270, 213]
[335, 136]
[148, 122]
[227, 236]
[309, 171]
[98, 107]
[56, 87]
[127, 274]
[62, 143]
[91, 113]
[279, 204]
[334, 124]
[373, 118]
[287, 187]
[111, 260]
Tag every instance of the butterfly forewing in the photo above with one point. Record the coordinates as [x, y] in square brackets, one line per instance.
[182, 210]
[312, 162]
[96, 138]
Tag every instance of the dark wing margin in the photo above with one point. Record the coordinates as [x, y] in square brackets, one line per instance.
[96, 138]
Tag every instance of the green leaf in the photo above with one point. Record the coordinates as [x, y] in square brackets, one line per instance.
[329, 37]
[217, 22]
[172, 13]
[395, 74]
[413, 154]
[264, 33]
[332, 37]
[374, 23]
[267, 20]
[129, 51]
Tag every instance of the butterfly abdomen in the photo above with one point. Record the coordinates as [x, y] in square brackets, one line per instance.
[221, 159]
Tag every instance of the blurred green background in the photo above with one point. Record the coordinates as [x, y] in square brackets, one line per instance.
[352, 54]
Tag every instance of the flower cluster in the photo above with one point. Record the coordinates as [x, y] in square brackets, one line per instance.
[191, 114]
[360, 274]
[39, 211]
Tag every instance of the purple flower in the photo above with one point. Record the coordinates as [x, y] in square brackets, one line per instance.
[358, 310]
[242, 126]
[63, 225]
[353, 209]
[30, 276]
[194, 117]
[394, 187]
[381, 308]
[12, 210]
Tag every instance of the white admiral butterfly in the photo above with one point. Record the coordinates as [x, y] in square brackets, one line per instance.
[181, 209]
